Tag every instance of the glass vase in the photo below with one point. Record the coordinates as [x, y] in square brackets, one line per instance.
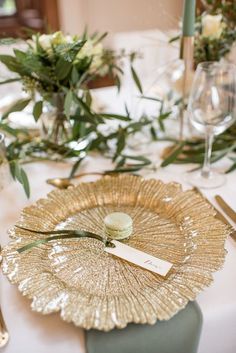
[55, 126]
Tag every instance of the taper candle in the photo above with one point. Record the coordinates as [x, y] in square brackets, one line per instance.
[189, 18]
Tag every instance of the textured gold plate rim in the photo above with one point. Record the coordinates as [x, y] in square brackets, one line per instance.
[176, 291]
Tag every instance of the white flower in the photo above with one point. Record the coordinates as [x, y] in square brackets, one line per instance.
[95, 51]
[97, 58]
[86, 51]
[45, 41]
[58, 38]
[68, 39]
[212, 26]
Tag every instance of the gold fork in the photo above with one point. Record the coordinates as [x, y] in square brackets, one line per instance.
[4, 335]
[219, 215]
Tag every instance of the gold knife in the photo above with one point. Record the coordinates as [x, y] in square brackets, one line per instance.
[219, 215]
[226, 208]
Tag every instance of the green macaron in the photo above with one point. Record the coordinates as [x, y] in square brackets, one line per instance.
[118, 225]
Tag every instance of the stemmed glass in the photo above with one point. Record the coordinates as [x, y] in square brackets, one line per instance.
[211, 110]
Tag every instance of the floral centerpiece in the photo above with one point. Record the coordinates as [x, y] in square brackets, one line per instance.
[214, 39]
[56, 71]
[215, 31]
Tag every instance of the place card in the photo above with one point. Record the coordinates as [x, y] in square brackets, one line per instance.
[139, 258]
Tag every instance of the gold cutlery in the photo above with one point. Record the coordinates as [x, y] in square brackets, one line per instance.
[219, 215]
[60, 183]
[64, 183]
[226, 208]
[4, 335]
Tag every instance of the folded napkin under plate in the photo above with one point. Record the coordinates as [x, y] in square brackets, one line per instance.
[178, 335]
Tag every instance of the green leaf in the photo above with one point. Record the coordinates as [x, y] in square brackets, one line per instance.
[10, 62]
[37, 111]
[127, 110]
[100, 38]
[62, 69]
[75, 167]
[161, 124]
[164, 115]
[25, 182]
[80, 130]
[115, 116]
[19, 174]
[173, 39]
[161, 119]
[18, 106]
[136, 126]
[124, 170]
[142, 159]
[84, 118]
[120, 143]
[136, 79]
[10, 80]
[153, 133]
[68, 51]
[15, 170]
[217, 156]
[85, 33]
[20, 55]
[67, 104]
[132, 56]
[8, 129]
[88, 98]
[120, 163]
[14, 132]
[151, 98]
[173, 155]
[233, 167]
[123, 167]
[117, 83]
[74, 75]
[83, 106]
[12, 169]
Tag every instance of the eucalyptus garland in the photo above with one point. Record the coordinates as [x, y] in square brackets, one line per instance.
[25, 148]
[87, 133]
[193, 151]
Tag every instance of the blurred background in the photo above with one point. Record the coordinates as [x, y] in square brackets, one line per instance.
[103, 15]
[134, 25]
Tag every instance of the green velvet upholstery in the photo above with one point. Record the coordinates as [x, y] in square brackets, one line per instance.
[178, 335]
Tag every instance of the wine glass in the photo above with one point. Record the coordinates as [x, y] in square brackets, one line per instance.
[211, 110]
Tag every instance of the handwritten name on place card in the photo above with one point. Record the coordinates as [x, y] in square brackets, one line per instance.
[140, 258]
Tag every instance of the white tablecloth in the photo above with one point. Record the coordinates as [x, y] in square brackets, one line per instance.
[32, 332]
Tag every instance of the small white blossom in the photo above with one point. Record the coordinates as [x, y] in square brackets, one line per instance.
[95, 51]
[57, 38]
[212, 26]
[69, 39]
[45, 41]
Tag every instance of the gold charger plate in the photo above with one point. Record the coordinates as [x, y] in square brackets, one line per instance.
[94, 289]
